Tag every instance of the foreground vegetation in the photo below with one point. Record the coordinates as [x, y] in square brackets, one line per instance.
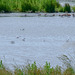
[34, 70]
[33, 6]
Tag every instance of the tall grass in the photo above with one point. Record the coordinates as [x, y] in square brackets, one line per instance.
[3, 71]
[32, 69]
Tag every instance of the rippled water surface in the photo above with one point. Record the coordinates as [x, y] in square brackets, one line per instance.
[27, 39]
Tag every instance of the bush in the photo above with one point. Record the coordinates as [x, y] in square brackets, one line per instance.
[29, 6]
[49, 6]
[4, 8]
[67, 8]
[26, 6]
[61, 9]
[57, 5]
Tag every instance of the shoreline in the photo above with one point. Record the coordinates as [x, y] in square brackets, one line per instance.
[37, 14]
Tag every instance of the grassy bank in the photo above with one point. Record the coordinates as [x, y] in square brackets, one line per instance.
[33, 6]
[34, 70]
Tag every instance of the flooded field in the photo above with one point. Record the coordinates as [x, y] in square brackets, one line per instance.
[27, 39]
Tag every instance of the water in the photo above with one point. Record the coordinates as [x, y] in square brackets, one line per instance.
[71, 2]
[27, 39]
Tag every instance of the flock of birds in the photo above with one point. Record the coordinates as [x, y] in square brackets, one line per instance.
[51, 15]
[23, 39]
[62, 15]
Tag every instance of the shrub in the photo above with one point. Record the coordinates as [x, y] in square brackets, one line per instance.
[49, 6]
[57, 4]
[61, 9]
[67, 8]
[4, 8]
[26, 6]
[29, 6]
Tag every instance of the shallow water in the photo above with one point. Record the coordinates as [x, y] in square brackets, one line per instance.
[27, 39]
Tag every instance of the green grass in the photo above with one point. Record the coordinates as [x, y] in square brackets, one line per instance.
[32, 69]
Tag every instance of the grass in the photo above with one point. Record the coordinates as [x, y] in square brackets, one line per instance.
[32, 69]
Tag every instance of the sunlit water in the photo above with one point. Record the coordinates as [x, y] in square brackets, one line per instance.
[24, 40]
